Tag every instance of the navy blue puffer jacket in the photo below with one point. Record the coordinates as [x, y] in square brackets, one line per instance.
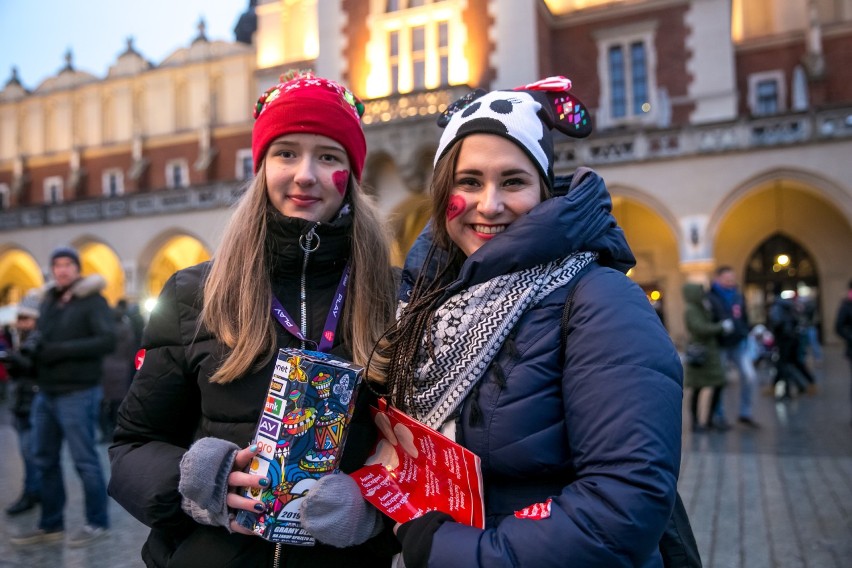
[595, 429]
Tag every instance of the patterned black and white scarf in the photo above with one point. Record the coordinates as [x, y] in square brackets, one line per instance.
[469, 329]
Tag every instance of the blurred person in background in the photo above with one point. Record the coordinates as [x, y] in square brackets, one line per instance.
[76, 331]
[728, 304]
[19, 362]
[705, 371]
[843, 323]
[118, 372]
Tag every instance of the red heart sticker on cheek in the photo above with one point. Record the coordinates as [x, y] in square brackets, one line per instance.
[455, 207]
[341, 180]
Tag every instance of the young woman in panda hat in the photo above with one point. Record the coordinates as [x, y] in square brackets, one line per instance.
[579, 435]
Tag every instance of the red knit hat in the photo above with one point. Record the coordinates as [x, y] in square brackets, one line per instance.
[311, 105]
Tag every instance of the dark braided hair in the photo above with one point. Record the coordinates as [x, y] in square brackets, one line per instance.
[398, 348]
[403, 341]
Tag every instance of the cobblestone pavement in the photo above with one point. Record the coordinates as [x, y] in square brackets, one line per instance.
[780, 496]
[777, 497]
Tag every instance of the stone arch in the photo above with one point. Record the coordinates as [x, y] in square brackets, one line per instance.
[804, 180]
[168, 252]
[97, 257]
[19, 272]
[654, 236]
[808, 208]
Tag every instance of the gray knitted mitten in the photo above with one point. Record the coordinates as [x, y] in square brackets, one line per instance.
[204, 471]
[335, 513]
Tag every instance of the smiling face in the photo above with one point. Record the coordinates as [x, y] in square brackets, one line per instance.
[307, 176]
[494, 183]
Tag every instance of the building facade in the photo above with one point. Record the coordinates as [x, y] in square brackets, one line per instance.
[723, 130]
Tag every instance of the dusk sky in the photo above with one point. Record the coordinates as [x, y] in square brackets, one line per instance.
[34, 35]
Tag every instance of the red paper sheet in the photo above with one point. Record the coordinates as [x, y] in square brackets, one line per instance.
[414, 470]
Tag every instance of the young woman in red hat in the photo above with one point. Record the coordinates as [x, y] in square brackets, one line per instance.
[303, 233]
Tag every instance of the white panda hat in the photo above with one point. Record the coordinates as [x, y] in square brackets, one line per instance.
[525, 115]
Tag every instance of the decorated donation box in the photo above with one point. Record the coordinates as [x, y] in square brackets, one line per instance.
[300, 438]
[414, 470]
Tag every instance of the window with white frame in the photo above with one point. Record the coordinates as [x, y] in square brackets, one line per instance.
[244, 165]
[177, 174]
[53, 190]
[5, 197]
[415, 45]
[112, 182]
[766, 93]
[627, 64]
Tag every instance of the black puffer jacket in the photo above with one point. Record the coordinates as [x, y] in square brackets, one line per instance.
[171, 403]
[74, 337]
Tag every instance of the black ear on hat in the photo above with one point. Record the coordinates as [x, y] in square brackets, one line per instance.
[460, 104]
[564, 112]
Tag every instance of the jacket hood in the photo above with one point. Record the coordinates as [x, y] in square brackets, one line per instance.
[693, 293]
[84, 287]
[578, 220]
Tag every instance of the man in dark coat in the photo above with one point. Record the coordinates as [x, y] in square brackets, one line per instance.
[843, 325]
[75, 333]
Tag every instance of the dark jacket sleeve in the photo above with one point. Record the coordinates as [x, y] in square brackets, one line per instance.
[622, 392]
[699, 325]
[156, 422]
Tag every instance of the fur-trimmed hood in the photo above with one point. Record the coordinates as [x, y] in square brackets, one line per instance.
[83, 287]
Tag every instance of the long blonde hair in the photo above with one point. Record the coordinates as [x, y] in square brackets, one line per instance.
[238, 292]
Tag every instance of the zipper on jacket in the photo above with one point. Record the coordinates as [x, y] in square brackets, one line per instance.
[276, 556]
[306, 242]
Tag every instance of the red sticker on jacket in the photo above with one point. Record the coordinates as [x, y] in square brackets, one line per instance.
[535, 512]
[140, 358]
[329, 335]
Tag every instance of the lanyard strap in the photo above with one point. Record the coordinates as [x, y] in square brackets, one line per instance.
[327, 340]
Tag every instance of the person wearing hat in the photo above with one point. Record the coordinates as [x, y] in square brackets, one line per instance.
[75, 332]
[18, 360]
[303, 233]
[521, 338]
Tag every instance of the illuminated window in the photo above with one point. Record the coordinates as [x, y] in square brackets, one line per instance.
[53, 190]
[112, 181]
[396, 5]
[444, 52]
[418, 57]
[626, 67]
[177, 174]
[393, 57]
[416, 45]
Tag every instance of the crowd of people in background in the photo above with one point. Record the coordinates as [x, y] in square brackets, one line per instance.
[780, 352]
[69, 360]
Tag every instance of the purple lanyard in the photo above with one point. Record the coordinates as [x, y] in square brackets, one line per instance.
[280, 314]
